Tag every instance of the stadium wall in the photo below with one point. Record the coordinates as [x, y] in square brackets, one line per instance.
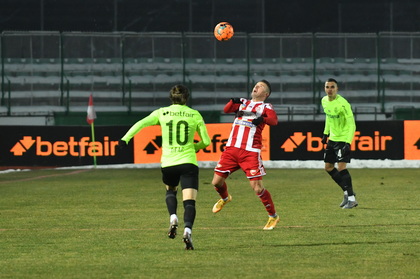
[60, 146]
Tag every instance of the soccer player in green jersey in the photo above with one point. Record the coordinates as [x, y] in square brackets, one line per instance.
[339, 132]
[179, 123]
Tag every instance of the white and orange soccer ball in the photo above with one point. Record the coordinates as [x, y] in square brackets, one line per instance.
[223, 31]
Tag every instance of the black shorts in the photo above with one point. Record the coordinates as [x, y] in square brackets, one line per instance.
[186, 173]
[332, 153]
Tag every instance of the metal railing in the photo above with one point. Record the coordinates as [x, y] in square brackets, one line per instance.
[110, 65]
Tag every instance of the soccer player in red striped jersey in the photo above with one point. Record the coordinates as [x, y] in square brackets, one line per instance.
[243, 148]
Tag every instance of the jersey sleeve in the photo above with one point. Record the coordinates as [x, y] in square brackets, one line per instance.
[350, 122]
[270, 116]
[231, 106]
[150, 120]
[204, 136]
[327, 126]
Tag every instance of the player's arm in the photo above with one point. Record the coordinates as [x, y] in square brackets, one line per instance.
[327, 122]
[326, 132]
[350, 123]
[233, 105]
[327, 126]
[149, 120]
[204, 136]
[269, 117]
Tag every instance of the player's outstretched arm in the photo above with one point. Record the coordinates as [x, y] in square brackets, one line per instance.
[149, 120]
[204, 136]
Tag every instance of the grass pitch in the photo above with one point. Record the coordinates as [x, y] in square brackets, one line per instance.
[112, 223]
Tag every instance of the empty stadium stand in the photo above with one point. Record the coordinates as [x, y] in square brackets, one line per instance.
[378, 89]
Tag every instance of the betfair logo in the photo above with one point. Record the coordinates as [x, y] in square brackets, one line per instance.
[377, 142]
[22, 146]
[82, 148]
[313, 143]
[178, 113]
[153, 145]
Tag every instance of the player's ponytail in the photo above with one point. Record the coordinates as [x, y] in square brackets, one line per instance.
[179, 94]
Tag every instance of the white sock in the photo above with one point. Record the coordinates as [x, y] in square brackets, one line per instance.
[187, 230]
[352, 198]
[173, 217]
[345, 193]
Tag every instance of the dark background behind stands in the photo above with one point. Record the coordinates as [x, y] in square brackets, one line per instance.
[252, 16]
[129, 52]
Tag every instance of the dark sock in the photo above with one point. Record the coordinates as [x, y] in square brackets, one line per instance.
[171, 201]
[337, 177]
[346, 177]
[189, 213]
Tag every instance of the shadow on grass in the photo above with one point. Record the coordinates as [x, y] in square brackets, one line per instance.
[382, 209]
[342, 243]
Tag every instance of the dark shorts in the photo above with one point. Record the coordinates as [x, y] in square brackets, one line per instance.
[332, 153]
[186, 173]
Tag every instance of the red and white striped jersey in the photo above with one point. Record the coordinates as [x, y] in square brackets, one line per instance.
[244, 134]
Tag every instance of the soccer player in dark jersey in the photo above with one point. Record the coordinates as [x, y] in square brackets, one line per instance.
[179, 123]
[338, 134]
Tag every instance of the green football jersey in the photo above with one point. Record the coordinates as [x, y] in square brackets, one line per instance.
[178, 123]
[339, 119]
